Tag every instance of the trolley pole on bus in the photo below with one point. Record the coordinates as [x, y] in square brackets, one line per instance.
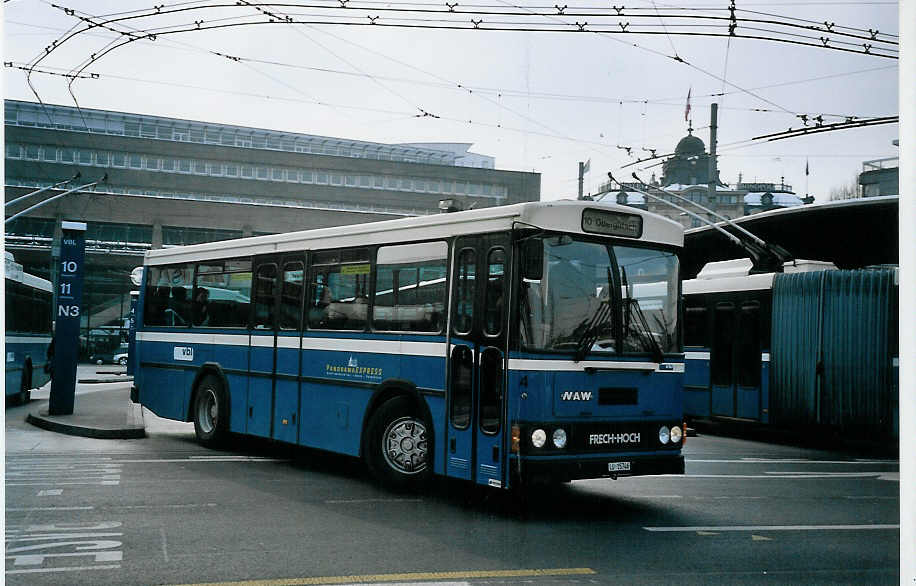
[69, 289]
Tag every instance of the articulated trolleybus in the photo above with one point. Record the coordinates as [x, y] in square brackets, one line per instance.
[501, 346]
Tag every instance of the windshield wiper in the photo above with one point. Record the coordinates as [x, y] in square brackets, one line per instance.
[631, 307]
[593, 331]
[596, 325]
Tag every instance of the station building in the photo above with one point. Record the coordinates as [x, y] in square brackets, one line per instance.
[173, 182]
[686, 174]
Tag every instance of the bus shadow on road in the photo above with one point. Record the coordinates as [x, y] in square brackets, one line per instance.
[542, 502]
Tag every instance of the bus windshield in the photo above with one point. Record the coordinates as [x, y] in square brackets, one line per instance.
[564, 306]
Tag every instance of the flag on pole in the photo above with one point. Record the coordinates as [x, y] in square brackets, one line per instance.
[588, 164]
[687, 109]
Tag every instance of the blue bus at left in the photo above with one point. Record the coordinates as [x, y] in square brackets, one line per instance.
[28, 331]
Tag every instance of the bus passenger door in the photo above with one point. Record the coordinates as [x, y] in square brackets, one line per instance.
[476, 379]
[748, 361]
[262, 344]
[288, 353]
[722, 360]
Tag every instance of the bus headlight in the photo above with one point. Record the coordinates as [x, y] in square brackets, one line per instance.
[676, 435]
[538, 438]
[664, 435]
[559, 437]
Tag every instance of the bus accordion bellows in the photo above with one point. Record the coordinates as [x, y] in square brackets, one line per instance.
[500, 346]
[28, 331]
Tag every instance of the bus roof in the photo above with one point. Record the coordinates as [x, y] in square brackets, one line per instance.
[564, 216]
[14, 272]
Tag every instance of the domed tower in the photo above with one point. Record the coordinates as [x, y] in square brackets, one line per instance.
[689, 165]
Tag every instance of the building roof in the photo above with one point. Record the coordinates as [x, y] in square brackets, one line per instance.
[690, 145]
[755, 198]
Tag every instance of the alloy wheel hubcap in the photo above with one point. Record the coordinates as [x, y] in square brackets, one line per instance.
[404, 445]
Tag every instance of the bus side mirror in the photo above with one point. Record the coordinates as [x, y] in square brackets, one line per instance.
[532, 265]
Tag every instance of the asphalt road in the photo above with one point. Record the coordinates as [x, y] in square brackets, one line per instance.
[163, 510]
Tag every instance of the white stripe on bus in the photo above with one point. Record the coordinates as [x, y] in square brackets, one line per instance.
[262, 341]
[189, 338]
[28, 339]
[764, 356]
[435, 349]
[569, 365]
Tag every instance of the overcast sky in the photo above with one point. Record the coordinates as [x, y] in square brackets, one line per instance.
[541, 101]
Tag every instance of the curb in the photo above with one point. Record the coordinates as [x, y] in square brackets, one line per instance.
[81, 431]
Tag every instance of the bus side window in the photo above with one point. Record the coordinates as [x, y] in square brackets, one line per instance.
[291, 296]
[339, 289]
[410, 290]
[696, 330]
[496, 263]
[720, 360]
[464, 302]
[265, 297]
[222, 293]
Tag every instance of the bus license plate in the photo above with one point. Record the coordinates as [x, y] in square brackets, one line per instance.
[618, 466]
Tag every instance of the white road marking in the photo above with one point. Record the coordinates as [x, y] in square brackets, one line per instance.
[775, 528]
[66, 569]
[791, 476]
[51, 492]
[54, 472]
[45, 544]
[825, 474]
[790, 461]
[243, 460]
[165, 550]
[363, 501]
[30, 509]
[103, 483]
[182, 506]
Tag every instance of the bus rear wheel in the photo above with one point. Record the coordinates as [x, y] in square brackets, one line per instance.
[210, 412]
[398, 445]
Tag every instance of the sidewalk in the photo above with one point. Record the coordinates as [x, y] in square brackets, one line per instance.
[102, 408]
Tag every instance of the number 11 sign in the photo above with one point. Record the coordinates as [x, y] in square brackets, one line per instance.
[67, 317]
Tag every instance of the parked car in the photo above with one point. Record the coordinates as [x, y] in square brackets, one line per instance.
[117, 356]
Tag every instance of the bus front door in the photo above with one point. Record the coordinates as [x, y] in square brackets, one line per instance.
[475, 445]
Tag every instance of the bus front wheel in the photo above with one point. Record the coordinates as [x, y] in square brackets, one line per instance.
[210, 412]
[398, 445]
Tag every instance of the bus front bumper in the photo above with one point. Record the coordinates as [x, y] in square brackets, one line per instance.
[606, 467]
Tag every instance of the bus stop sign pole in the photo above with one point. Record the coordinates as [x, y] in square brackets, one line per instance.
[69, 289]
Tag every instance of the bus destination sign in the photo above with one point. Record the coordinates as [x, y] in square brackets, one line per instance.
[611, 223]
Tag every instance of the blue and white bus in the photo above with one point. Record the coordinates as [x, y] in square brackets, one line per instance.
[499, 346]
[28, 331]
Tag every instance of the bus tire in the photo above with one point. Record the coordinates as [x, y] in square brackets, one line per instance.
[210, 412]
[398, 447]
